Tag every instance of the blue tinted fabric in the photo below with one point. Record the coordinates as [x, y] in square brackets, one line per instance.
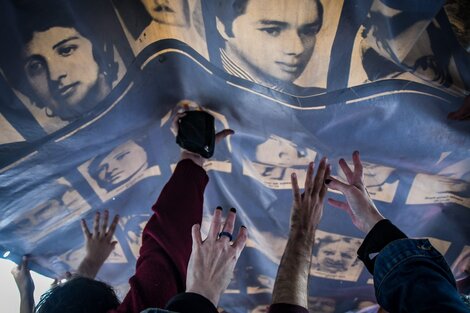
[88, 90]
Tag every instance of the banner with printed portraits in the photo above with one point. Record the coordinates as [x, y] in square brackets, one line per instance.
[88, 90]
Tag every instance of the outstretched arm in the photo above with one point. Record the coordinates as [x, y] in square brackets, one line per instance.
[166, 241]
[25, 285]
[290, 292]
[405, 270]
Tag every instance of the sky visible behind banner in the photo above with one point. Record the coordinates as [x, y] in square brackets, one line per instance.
[88, 90]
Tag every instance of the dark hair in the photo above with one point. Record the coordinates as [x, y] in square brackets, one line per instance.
[79, 295]
[28, 16]
[228, 10]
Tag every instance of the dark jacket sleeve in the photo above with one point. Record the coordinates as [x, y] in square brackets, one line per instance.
[190, 302]
[166, 240]
[286, 308]
[410, 275]
[383, 233]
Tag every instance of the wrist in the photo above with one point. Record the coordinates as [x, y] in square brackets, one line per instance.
[372, 220]
[196, 158]
[89, 267]
[302, 239]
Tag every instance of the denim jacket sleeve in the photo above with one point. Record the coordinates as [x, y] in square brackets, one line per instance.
[410, 275]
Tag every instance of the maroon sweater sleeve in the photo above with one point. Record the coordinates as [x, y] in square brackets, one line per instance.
[166, 241]
[286, 308]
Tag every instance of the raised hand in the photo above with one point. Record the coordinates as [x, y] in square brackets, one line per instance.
[291, 285]
[213, 260]
[25, 284]
[359, 205]
[307, 207]
[98, 244]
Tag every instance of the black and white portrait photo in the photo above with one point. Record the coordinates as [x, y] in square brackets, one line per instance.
[148, 21]
[59, 68]
[276, 159]
[268, 42]
[335, 257]
[112, 173]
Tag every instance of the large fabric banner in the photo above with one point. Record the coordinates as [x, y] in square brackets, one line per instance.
[89, 88]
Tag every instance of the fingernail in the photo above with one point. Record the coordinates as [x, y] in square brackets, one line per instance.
[219, 208]
[233, 210]
[294, 175]
[327, 181]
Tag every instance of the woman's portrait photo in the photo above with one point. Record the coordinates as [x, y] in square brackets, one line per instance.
[62, 68]
[111, 173]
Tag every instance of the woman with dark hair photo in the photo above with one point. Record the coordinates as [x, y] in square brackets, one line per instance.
[60, 64]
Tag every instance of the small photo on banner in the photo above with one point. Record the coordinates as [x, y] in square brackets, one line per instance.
[58, 67]
[335, 257]
[380, 181]
[280, 44]
[148, 21]
[112, 173]
[56, 205]
[461, 266]
[428, 189]
[276, 159]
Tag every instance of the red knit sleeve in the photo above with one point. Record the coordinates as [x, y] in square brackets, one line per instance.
[166, 241]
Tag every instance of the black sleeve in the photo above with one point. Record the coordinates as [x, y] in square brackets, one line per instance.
[383, 233]
[189, 302]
